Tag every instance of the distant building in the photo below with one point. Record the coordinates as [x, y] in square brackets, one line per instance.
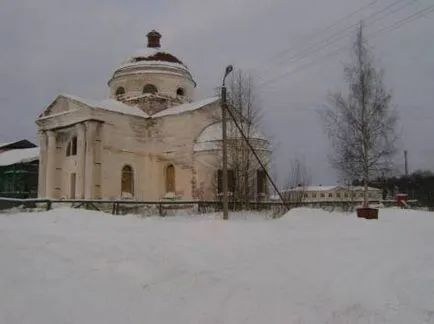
[19, 163]
[149, 140]
[314, 194]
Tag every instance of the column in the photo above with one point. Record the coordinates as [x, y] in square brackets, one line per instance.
[81, 160]
[51, 165]
[90, 159]
[42, 173]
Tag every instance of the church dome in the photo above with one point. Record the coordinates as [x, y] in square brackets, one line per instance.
[152, 67]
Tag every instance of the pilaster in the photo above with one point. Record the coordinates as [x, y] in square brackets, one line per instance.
[91, 128]
[81, 160]
[42, 174]
[51, 165]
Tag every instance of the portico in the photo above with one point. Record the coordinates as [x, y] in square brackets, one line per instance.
[67, 165]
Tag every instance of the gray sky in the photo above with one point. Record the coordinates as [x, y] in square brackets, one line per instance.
[53, 46]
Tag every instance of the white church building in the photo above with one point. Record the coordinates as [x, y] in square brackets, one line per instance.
[149, 140]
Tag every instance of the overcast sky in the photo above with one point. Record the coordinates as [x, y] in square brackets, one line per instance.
[57, 46]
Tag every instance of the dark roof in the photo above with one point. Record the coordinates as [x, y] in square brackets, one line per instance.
[159, 56]
[22, 144]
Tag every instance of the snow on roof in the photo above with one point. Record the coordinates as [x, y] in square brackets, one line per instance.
[362, 188]
[143, 52]
[152, 64]
[321, 188]
[18, 144]
[111, 105]
[19, 156]
[312, 188]
[211, 136]
[327, 188]
[191, 106]
[5, 144]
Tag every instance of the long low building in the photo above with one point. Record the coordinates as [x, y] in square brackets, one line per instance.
[313, 194]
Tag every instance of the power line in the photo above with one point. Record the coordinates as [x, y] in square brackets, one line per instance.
[420, 14]
[390, 28]
[346, 31]
[315, 35]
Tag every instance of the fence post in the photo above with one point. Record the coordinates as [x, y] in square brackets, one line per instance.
[49, 205]
[160, 209]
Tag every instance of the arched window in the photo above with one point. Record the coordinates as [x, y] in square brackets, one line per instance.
[231, 181]
[71, 149]
[120, 92]
[149, 88]
[261, 182]
[170, 178]
[180, 92]
[127, 181]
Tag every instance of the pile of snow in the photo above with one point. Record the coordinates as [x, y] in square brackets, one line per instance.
[71, 266]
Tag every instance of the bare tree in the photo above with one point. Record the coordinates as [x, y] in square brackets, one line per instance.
[243, 101]
[361, 124]
[245, 176]
[298, 180]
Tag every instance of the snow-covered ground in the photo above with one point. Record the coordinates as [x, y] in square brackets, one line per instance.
[70, 266]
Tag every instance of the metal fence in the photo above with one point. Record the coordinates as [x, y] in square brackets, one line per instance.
[165, 208]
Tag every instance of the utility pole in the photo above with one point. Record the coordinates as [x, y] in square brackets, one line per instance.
[406, 163]
[229, 69]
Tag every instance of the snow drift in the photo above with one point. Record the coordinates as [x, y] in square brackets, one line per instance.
[70, 266]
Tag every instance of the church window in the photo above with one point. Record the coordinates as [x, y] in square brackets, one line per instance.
[231, 181]
[127, 180]
[261, 182]
[170, 178]
[149, 88]
[120, 92]
[180, 92]
[71, 149]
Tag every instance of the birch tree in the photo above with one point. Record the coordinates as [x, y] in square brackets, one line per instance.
[361, 123]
